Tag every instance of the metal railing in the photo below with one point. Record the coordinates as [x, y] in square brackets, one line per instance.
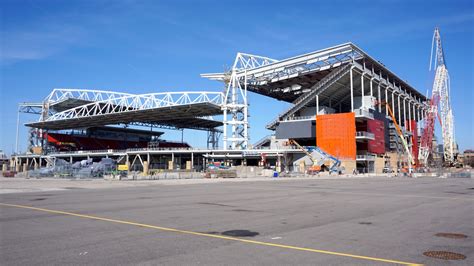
[362, 113]
[365, 157]
[306, 117]
[90, 151]
[365, 134]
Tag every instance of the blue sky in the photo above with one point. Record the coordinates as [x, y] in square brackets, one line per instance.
[155, 46]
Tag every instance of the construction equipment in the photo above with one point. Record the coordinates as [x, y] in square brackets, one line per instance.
[439, 97]
[400, 133]
[335, 166]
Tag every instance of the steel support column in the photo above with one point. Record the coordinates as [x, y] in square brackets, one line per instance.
[352, 89]
[404, 113]
[399, 111]
[371, 89]
[379, 98]
[317, 104]
[409, 116]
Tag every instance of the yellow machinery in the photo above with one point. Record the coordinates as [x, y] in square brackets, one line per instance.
[400, 134]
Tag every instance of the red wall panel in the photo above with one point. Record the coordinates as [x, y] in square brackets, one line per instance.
[377, 145]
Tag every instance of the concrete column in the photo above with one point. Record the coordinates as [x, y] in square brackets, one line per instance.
[127, 162]
[399, 112]
[224, 122]
[409, 116]
[171, 164]
[278, 164]
[393, 104]
[371, 89]
[352, 91]
[362, 87]
[404, 113]
[380, 98]
[148, 159]
[317, 104]
[36, 165]
[386, 100]
[192, 160]
[70, 159]
[25, 167]
[17, 168]
[145, 168]
[4, 167]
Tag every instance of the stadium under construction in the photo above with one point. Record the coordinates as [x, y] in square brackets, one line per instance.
[348, 113]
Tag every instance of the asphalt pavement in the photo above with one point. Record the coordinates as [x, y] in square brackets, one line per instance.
[363, 221]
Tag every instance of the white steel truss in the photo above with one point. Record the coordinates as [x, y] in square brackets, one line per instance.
[312, 62]
[129, 103]
[252, 70]
[60, 94]
[235, 99]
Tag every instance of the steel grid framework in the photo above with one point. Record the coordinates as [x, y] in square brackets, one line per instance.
[68, 105]
[235, 101]
[264, 76]
[249, 71]
[317, 61]
[130, 103]
[62, 94]
[90, 103]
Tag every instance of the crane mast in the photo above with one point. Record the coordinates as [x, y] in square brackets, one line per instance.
[440, 101]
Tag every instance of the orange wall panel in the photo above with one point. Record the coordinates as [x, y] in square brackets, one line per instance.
[335, 134]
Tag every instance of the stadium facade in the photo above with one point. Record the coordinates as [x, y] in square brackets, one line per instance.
[342, 100]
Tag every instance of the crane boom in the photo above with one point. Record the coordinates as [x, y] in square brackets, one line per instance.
[440, 98]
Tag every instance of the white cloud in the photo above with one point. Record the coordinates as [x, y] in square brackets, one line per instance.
[34, 44]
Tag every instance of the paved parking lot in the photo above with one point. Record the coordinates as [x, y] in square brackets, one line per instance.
[363, 221]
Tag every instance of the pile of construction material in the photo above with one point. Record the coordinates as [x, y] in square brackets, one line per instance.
[221, 173]
[81, 169]
[219, 170]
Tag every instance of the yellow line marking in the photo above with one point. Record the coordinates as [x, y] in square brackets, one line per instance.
[211, 235]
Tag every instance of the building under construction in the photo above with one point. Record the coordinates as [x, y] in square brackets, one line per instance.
[344, 102]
